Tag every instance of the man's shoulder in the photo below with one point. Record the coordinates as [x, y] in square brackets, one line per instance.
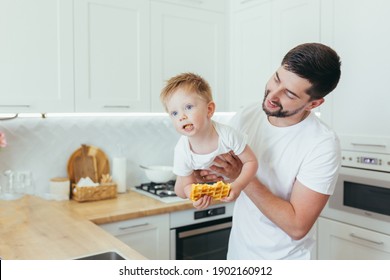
[321, 129]
[247, 115]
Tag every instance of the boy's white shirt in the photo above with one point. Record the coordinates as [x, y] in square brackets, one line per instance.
[186, 161]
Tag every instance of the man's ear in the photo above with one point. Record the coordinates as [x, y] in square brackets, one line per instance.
[210, 109]
[315, 103]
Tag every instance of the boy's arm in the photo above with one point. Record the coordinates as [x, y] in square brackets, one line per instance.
[248, 171]
[249, 168]
[183, 185]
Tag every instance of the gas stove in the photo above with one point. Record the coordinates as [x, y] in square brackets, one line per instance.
[161, 191]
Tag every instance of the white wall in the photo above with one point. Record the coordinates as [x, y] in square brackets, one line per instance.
[43, 146]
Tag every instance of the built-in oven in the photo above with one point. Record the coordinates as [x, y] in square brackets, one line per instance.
[201, 234]
[362, 193]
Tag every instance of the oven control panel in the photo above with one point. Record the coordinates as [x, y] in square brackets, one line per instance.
[372, 161]
[209, 212]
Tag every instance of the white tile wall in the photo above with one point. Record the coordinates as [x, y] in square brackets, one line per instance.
[43, 146]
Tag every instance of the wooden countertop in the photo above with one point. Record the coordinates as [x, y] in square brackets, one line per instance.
[34, 228]
[126, 206]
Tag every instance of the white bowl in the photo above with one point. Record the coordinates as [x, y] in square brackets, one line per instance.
[159, 173]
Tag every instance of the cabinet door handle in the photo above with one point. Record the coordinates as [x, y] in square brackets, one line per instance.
[366, 239]
[243, 2]
[15, 106]
[133, 226]
[9, 118]
[116, 106]
[369, 145]
[194, 1]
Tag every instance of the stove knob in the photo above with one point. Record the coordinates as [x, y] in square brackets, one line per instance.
[210, 212]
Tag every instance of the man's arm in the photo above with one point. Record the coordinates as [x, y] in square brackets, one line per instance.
[295, 216]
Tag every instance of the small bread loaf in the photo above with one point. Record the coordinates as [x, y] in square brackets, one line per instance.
[217, 190]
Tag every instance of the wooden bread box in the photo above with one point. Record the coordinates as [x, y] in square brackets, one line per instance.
[92, 162]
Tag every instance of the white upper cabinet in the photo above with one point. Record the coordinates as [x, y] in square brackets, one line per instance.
[359, 31]
[112, 69]
[294, 22]
[262, 33]
[36, 56]
[251, 54]
[187, 39]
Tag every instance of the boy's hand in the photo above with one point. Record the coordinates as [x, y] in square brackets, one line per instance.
[202, 202]
[233, 195]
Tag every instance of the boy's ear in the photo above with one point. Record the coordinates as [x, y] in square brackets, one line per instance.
[210, 109]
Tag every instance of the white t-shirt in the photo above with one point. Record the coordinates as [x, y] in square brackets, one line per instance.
[186, 161]
[308, 152]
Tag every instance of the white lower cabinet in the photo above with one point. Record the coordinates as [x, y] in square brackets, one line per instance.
[340, 241]
[148, 235]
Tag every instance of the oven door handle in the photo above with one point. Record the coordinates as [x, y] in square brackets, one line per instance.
[368, 145]
[202, 230]
[366, 239]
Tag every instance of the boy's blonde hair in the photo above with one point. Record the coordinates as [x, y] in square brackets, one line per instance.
[189, 82]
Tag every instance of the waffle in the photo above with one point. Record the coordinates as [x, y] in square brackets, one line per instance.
[217, 191]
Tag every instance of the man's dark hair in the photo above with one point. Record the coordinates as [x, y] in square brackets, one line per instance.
[317, 63]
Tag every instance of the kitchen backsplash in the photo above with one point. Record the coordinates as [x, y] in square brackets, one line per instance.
[43, 146]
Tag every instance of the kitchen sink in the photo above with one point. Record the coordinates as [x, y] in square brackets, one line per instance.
[103, 256]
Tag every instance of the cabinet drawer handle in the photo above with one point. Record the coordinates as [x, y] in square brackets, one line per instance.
[116, 106]
[366, 239]
[133, 226]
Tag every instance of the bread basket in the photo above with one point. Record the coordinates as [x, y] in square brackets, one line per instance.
[90, 161]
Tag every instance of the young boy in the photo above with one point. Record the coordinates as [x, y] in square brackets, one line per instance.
[188, 100]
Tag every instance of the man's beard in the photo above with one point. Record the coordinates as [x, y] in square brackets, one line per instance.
[279, 113]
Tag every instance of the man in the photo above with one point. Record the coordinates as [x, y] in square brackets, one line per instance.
[299, 159]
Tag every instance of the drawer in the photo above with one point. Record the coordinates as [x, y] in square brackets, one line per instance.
[123, 227]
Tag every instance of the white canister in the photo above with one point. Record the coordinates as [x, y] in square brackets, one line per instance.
[60, 187]
[119, 173]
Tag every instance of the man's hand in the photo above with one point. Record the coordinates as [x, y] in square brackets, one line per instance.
[228, 165]
[206, 176]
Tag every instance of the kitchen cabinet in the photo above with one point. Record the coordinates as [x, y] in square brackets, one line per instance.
[359, 105]
[147, 235]
[112, 66]
[36, 56]
[251, 56]
[188, 38]
[340, 241]
[262, 32]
